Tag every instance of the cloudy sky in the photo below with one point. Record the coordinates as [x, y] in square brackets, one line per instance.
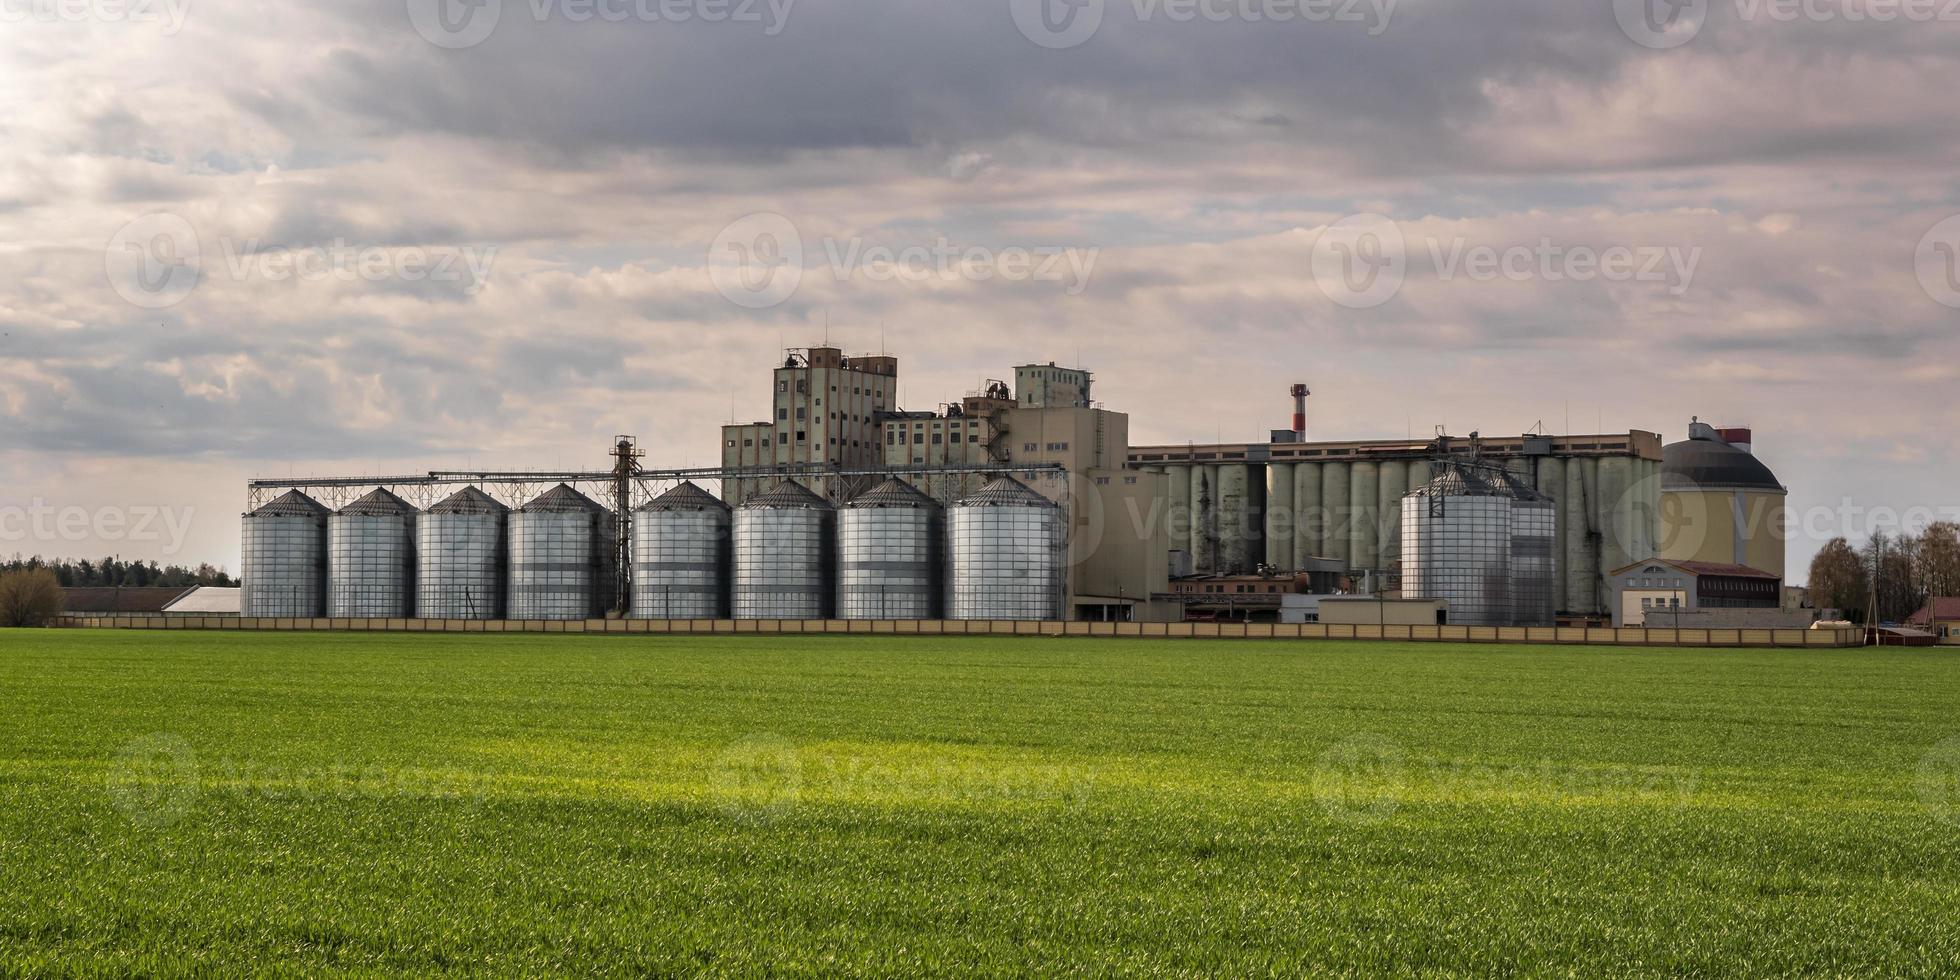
[245, 238]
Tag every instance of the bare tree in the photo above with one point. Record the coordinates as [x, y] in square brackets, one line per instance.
[1939, 559]
[30, 597]
[1838, 579]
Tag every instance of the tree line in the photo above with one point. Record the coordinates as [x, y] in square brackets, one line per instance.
[78, 573]
[1900, 571]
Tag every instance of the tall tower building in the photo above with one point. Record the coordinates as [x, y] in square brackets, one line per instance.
[826, 408]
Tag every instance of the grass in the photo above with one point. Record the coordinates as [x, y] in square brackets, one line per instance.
[319, 803]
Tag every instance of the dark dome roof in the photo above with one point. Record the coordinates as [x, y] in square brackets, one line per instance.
[561, 499]
[1705, 462]
[379, 503]
[1005, 491]
[469, 500]
[787, 495]
[292, 503]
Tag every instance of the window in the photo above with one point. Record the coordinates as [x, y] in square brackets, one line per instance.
[973, 438]
[782, 415]
[1129, 481]
[802, 436]
[731, 444]
[918, 438]
[782, 440]
[748, 442]
[799, 413]
[937, 438]
[782, 386]
[1027, 447]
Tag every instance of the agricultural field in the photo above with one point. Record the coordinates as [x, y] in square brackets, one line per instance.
[223, 803]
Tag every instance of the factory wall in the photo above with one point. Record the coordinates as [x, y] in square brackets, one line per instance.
[1726, 527]
[1235, 514]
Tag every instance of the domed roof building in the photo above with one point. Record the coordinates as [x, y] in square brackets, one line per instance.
[1719, 503]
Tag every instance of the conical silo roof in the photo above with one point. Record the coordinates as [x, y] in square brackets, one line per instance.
[892, 493]
[561, 499]
[1005, 491]
[787, 495]
[687, 496]
[1456, 481]
[379, 503]
[1511, 485]
[469, 500]
[292, 503]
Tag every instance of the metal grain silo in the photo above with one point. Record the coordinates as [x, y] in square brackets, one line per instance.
[1456, 545]
[284, 569]
[680, 556]
[1008, 554]
[1534, 554]
[371, 558]
[561, 550]
[889, 562]
[460, 558]
[784, 548]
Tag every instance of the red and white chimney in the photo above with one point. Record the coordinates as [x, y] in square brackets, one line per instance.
[1300, 413]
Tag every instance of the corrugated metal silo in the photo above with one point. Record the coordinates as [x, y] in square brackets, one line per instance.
[889, 561]
[284, 568]
[784, 548]
[461, 557]
[1534, 554]
[680, 556]
[1456, 545]
[561, 553]
[1008, 554]
[371, 558]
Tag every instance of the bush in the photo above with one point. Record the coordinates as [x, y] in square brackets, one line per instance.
[31, 597]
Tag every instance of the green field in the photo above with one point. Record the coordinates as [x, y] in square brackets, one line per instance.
[225, 803]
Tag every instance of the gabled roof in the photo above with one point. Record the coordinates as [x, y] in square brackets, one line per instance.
[1941, 607]
[132, 599]
[1700, 568]
[206, 599]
